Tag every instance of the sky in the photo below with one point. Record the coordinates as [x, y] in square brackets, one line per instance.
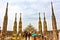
[29, 10]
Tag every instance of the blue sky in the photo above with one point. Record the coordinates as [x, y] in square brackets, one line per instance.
[29, 10]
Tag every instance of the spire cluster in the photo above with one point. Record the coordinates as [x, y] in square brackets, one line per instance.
[20, 33]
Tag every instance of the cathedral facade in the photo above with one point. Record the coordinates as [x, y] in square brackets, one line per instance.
[29, 33]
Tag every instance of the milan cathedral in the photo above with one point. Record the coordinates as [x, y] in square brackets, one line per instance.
[30, 32]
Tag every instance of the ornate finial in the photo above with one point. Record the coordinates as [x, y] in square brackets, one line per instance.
[6, 9]
[7, 3]
[20, 17]
[15, 16]
[44, 15]
[20, 14]
[52, 8]
[39, 15]
[51, 3]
